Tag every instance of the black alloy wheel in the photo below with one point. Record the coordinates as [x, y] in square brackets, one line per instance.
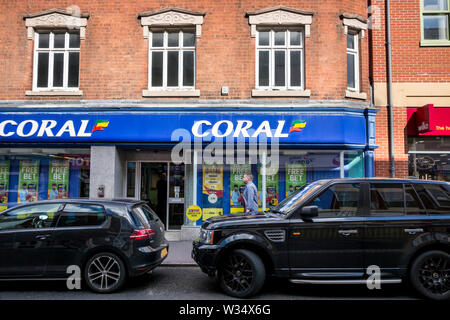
[242, 273]
[105, 273]
[430, 275]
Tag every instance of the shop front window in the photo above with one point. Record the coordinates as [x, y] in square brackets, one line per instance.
[43, 175]
[131, 179]
[429, 158]
[220, 186]
[353, 164]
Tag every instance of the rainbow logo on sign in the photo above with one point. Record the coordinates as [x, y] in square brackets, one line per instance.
[297, 125]
[99, 125]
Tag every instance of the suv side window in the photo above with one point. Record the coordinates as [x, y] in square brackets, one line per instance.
[78, 215]
[30, 217]
[413, 204]
[339, 200]
[386, 199]
[436, 198]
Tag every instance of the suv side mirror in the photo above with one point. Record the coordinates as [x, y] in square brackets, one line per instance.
[309, 212]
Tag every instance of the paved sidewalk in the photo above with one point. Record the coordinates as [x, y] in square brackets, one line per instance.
[179, 254]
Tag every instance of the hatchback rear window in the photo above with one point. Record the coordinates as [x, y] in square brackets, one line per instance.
[77, 215]
[145, 214]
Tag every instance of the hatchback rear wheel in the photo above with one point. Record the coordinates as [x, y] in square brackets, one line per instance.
[104, 272]
[430, 275]
[242, 273]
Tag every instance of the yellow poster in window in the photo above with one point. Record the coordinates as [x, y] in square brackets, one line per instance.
[212, 195]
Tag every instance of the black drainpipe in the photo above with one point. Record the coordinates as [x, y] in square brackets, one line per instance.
[389, 89]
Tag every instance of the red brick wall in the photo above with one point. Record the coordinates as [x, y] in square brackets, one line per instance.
[410, 63]
[114, 54]
[382, 159]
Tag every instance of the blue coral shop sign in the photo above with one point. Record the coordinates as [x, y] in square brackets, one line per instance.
[159, 127]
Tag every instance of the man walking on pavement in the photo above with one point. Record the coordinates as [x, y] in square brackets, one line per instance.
[250, 194]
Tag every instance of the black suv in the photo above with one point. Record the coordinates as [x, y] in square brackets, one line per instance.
[107, 240]
[336, 231]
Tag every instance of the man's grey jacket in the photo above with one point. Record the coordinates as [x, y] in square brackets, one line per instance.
[251, 197]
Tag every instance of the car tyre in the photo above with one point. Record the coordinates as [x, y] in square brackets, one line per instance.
[105, 273]
[430, 275]
[242, 273]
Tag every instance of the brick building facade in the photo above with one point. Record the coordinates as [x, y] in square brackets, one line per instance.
[420, 76]
[114, 54]
[102, 86]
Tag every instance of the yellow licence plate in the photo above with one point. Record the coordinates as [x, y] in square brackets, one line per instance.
[163, 252]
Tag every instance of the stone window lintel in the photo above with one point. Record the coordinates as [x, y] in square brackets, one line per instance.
[281, 16]
[54, 19]
[354, 22]
[171, 17]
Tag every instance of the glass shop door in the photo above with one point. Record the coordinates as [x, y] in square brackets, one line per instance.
[161, 185]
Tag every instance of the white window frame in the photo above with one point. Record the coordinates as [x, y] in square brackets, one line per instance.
[287, 48]
[51, 50]
[355, 25]
[165, 48]
[423, 14]
[354, 52]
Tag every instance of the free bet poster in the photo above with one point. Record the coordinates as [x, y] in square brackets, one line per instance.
[58, 179]
[237, 186]
[4, 184]
[28, 181]
[212, 191]
[271, 187]
[295, 176]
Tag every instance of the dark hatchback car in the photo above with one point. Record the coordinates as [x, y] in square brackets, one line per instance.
[336, 231]
[108, 240]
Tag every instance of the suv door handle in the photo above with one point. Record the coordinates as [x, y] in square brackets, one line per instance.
[413, 231]
[347, 232]
[42, 236]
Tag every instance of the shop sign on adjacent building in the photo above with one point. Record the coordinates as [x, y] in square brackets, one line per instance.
[428, 120]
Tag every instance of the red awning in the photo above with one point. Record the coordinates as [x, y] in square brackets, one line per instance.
[428, 121]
